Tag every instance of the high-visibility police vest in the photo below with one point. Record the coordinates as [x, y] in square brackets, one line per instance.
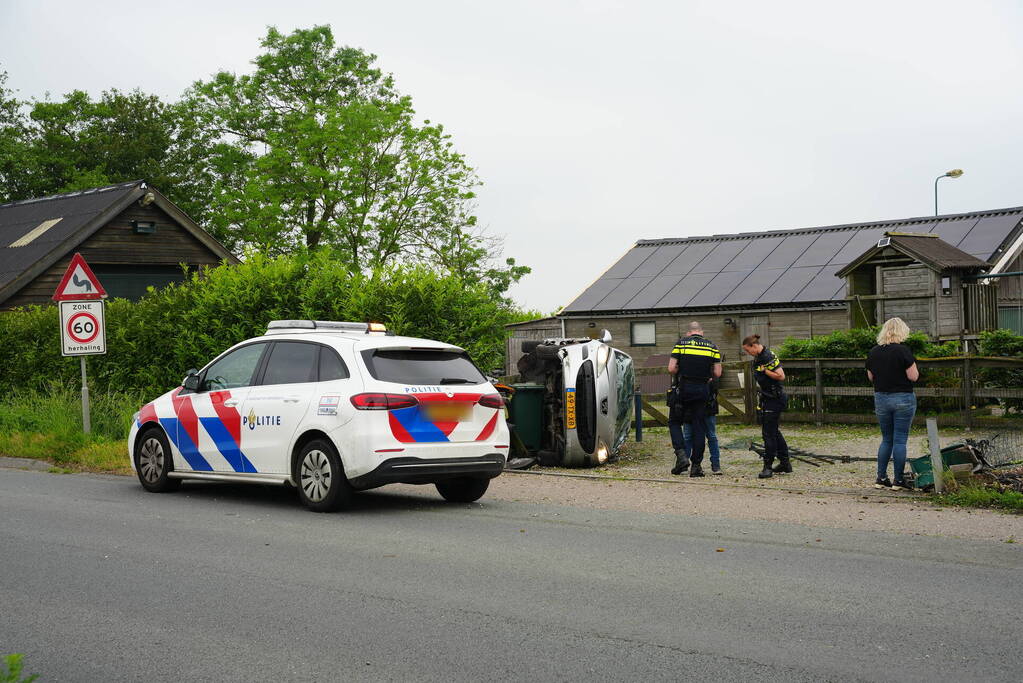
[696, 357]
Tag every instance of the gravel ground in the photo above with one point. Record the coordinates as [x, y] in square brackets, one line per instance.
[653, 457]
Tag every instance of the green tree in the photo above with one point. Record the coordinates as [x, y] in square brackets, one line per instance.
[317, 149]
[77, 143]
[13, 148]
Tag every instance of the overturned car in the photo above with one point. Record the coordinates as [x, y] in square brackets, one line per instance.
[574, 405]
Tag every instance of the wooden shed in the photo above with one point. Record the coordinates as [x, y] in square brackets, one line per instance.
[130, 234]
[924, 280]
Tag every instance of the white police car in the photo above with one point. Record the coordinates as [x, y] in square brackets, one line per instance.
[330, 408]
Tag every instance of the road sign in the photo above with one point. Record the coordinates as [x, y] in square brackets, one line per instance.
[82, 328]
[79, 283]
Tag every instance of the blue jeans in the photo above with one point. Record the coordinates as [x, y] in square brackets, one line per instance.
[711, 423]
[895, 415]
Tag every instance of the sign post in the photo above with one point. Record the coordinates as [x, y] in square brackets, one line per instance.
[82, 322]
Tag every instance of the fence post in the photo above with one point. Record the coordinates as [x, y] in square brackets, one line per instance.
[818, 392]
[638, 399]
[968, 391]
[936, 464]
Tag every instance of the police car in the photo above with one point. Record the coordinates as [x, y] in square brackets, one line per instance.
[329, 408]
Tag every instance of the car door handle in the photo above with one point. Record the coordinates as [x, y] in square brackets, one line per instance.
[230, 404]
[292, 400]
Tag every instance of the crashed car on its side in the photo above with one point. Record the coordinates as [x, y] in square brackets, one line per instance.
[587, 400]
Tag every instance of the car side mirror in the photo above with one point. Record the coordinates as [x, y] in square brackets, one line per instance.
[191, 381]
[605, 336]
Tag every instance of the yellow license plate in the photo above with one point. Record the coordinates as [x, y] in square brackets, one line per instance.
[570, 409]
[449, 412]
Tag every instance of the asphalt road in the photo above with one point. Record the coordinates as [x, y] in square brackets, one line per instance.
[100, 580]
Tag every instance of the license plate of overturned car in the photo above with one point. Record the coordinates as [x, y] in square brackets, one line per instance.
[449, 412]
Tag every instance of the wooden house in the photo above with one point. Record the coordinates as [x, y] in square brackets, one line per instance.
[930, 284]
[130, 234]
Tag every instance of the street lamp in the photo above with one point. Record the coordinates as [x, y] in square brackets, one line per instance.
[954, 173]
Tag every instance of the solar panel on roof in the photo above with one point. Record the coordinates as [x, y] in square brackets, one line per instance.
[620, 295]
[953, 232]
[657, 261]
[628, 263]
[864, 239]
[720, 256]
[789, 284]
[682, 293]
[653, 292]
[824, 287]
[824, 248]
[755, 252]
[720, 288]
[986, 236]
[592, 295]
[693, 254]
[753, 286]
[787, 252]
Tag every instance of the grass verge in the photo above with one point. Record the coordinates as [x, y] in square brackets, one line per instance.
[48, 426]
[979, 495]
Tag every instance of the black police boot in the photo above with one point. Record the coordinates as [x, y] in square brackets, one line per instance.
[696, 471]
[784, 465]
[681, 462]
[766, 473]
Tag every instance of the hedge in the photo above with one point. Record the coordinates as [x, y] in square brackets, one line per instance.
[856, 343]
[152, 342]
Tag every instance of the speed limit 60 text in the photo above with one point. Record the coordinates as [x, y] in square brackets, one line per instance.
[82, 328]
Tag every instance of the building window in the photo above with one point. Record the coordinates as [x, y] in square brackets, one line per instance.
[946, 285]
[644, 334]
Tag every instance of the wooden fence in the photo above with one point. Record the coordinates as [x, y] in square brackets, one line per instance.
[739, 403]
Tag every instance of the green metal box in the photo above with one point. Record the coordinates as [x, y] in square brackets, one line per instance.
[525, 414]
[923, 471]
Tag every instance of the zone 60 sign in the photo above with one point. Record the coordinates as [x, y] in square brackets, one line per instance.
[82, 332]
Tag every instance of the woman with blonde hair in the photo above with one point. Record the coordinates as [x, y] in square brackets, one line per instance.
[892, 368]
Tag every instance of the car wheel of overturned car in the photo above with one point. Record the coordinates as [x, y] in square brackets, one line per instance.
[462, 489]
[153, 461]
[322, 484]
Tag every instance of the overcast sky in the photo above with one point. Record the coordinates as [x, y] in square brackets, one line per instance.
[594, 124]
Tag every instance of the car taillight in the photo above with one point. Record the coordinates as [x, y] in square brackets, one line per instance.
[374, 401]
[491, 401]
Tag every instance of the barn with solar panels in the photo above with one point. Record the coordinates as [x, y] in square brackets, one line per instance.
[796, 283]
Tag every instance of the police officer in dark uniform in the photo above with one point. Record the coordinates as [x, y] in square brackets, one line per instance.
[694, 362]
[769, 375]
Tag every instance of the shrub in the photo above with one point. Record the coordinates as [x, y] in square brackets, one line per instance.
[857, 343]
[151, 343]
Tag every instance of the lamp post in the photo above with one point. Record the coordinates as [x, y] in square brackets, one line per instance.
[954, 173]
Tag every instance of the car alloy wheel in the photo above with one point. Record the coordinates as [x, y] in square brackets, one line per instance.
[151, 460]
[315, 475]
[320, 476]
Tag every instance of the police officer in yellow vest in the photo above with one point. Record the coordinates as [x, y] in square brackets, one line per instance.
[694, 362]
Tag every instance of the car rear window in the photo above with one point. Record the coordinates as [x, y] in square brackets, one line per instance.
[422, 366]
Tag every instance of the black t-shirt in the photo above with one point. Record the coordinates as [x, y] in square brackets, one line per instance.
[888, 364]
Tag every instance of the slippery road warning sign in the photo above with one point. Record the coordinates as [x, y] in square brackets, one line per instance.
[82, 329]
[79, 283]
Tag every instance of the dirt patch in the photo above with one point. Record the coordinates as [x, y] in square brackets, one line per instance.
[840, 495]
[653, 457]
[878, 511]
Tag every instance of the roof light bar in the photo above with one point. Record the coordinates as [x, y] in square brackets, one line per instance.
[325, 325]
